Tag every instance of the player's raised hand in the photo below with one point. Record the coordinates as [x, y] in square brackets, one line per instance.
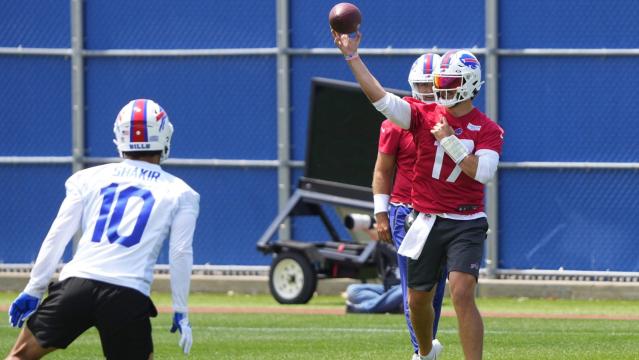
[347, 43]
[441, 129]
[181, 323]
[21, 308]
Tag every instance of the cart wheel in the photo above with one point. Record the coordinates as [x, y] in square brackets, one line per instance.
[292, 279]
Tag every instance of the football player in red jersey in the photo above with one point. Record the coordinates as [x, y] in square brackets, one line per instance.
[458, 150]
[392, 184]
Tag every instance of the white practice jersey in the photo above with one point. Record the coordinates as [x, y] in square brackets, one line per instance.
[126, 211]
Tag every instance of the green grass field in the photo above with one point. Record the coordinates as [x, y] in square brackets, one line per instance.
[350, 337]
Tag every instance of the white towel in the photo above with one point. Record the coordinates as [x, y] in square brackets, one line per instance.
[416, 236]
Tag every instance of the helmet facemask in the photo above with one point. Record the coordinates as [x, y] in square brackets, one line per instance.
[458, 79]
[427, 96]
[449, 90]
[422, 73]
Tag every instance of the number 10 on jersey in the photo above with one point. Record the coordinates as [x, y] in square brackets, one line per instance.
[111, 215]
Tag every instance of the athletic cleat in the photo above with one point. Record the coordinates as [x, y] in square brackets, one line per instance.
[434, 352]
[438, 347]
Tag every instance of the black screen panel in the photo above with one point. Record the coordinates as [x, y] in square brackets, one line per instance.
[343, 133]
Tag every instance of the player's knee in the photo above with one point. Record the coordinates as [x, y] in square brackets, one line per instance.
[20, 352]
[417, 300]
[462, 295]
[462, 286]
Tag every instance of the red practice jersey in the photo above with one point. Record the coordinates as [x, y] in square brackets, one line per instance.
[439, 186]
[398, 142]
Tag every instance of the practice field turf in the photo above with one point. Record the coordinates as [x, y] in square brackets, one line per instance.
[349, 337]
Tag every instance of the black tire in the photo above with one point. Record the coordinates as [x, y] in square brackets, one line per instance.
[292, 279]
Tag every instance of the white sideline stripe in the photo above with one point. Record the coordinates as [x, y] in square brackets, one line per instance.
[314, 329]
[265, 330]
[381, 330]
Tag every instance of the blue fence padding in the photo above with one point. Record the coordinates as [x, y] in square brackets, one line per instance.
[236, 207]
[35, 23]
[167, 24]
[563, 109]
[221, 107]
[31, 195]
[227, 230]
[553, 109]
[575, 219]
[35, 103]
[568, 24]
[397, 24]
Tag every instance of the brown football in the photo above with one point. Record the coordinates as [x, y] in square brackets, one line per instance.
[345, 18]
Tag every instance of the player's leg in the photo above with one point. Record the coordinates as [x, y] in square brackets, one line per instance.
[397, 217]
[438, 300]
[123, 322]
[63, 315]
[27, 347]
[423, 275]
[471, 327]
[464, 258]
[422, 316]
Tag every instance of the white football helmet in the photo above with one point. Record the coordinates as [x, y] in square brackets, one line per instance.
[422, 73]
[142, 125]
[457, 78]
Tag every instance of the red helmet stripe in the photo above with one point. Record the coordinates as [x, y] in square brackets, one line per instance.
[138, 121]
[428, 64]
[447, 58]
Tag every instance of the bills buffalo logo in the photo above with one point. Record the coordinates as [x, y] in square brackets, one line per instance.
[469, 60]
[161, 116]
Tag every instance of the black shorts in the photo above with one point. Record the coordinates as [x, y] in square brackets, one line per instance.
[456, 244]
[120, 314]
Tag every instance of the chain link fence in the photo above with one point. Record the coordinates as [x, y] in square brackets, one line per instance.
[559, 78]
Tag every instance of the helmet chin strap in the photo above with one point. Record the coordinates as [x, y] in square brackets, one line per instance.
[164, 155]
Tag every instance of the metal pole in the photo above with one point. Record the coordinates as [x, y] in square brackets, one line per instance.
[77, 85]
[77, 93]
[492, 106]
[283, 114]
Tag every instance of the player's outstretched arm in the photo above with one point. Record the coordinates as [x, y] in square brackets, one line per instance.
[65, 225]
[396, 109]
[349, 46]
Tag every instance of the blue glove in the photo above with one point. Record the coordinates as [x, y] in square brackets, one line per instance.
[21, 308]
[181, 323]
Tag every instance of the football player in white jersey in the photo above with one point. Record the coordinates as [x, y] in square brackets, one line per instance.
[125, 210]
